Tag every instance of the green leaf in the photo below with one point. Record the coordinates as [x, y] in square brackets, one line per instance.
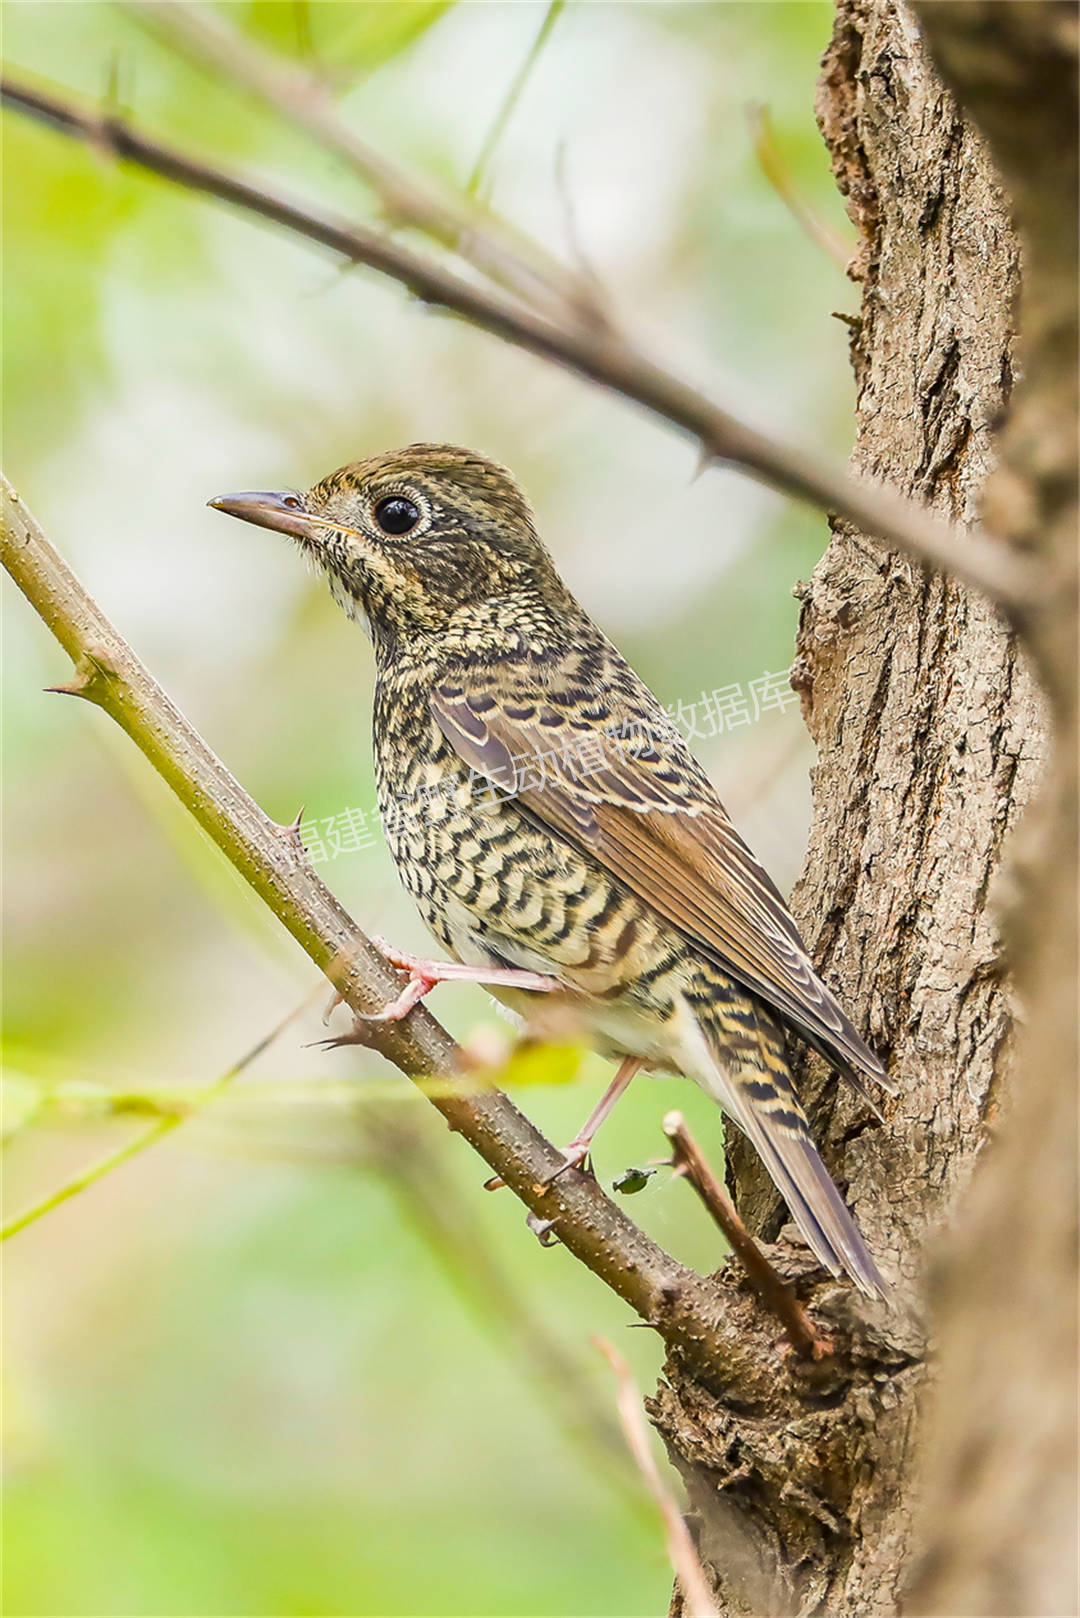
[382, 30]
[357, 38]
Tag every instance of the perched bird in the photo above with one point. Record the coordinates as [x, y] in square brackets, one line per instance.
[549, 820]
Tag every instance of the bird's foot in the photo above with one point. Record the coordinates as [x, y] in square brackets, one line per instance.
[575, 1156]
[424, 975]
[541, 1229]
[577, 1153]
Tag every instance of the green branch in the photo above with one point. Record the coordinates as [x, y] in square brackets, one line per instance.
[182, 1108]
[682, 1306]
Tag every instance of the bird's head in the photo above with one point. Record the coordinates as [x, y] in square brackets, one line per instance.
[415, 539]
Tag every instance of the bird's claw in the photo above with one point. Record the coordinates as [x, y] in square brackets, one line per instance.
[410, 996]
[541, 1229]
[575, 1156]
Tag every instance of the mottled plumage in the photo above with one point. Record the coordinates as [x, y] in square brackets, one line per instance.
[545, 814]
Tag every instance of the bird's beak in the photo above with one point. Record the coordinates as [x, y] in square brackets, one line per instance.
[284, 512]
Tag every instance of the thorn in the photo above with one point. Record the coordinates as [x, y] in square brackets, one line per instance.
[92, 668]
[358, 1035]
[496, 1183]
[89, 667]
[77, 688]
[706, 458]
[292, 830]
[583, 1165]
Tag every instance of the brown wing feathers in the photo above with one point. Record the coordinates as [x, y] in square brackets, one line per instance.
[654, 820]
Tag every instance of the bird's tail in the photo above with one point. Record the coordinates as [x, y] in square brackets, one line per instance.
[741, 1062]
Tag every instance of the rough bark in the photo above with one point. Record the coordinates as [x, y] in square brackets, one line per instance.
[932, 738]
[1000, 1469]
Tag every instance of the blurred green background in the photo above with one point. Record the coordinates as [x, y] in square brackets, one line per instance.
[293, 1359]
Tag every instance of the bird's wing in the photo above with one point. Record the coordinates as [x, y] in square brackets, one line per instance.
[612, 774]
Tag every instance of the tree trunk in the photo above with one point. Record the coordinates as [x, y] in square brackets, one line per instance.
[1001, 1507]
[932, 737]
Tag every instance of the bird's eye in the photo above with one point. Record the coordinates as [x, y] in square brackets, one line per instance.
[293, 502]
[396, 516]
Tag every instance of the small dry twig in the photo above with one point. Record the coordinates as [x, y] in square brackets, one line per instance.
[772, 165]
[681, 1548]
[689, 1162]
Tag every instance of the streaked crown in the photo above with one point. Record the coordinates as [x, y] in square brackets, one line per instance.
[414, 538]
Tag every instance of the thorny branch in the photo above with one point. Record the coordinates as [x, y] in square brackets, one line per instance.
[598, 353]
[682, 1306]
[429, 1198]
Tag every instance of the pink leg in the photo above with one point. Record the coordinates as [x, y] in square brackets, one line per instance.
[578, 1149]
[424, 975]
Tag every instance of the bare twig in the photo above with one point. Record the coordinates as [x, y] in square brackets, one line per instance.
[682, 1306]
[689, 1161]
[681, 1549]
[162, 1126]
[600, 355]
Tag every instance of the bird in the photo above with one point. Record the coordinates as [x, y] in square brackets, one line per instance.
[550, 822]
